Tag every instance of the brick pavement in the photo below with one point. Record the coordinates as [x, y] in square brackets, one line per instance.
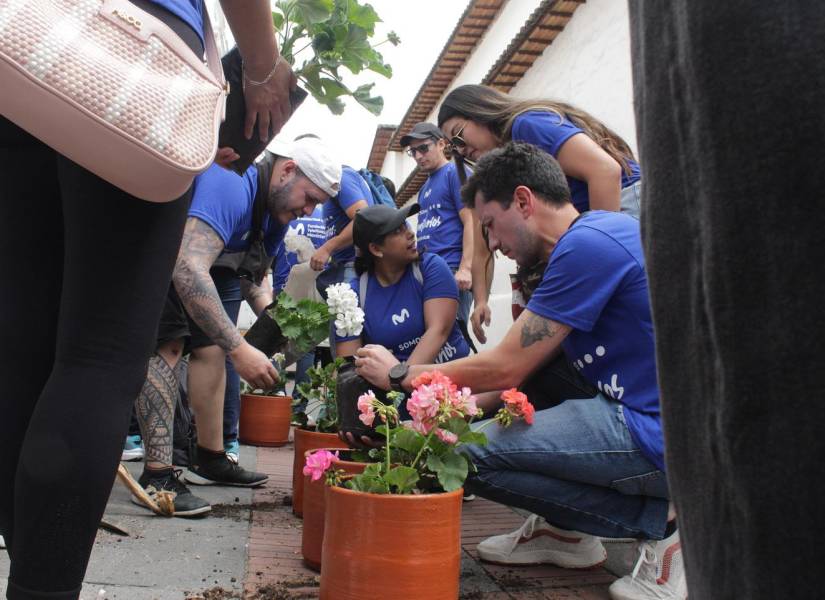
[275, 566]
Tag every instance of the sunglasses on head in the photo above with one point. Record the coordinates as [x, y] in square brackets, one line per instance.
[421, 149]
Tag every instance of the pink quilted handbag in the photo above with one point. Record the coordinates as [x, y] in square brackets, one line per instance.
[114, 89]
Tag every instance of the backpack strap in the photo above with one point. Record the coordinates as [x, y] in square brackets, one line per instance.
[264, 168]
[362, 289]
[416, 269]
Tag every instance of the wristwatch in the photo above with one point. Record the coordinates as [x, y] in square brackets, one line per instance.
[398, 373]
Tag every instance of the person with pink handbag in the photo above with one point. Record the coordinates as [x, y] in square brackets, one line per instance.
[86, 261]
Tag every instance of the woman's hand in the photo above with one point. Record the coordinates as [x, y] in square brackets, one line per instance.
[225, 157]
[373, 363]
[269, 102]
[480, 319]
[464, 278]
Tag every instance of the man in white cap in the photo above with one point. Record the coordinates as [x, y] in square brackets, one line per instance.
[234, 227]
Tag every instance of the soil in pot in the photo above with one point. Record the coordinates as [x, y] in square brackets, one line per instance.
[412, 541]
[307, 440]
[312, 535]
[265, 420]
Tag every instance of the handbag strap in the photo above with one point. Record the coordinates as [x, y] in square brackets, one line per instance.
[213, 59]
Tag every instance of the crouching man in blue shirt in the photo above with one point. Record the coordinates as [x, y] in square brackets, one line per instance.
[587, 467]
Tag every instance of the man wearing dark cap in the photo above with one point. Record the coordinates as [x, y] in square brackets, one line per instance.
[445, 226]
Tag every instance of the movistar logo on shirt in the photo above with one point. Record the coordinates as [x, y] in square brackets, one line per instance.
[400, 317]
[428, 192]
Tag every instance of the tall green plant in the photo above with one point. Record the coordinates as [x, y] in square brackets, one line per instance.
[325, 35]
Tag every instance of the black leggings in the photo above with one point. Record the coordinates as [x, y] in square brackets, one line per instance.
[85, 269]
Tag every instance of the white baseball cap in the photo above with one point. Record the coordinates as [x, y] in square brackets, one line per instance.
[314, 159]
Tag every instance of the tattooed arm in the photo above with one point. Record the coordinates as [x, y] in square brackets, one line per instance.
[531, 342]
[200, 247]
[257, 296]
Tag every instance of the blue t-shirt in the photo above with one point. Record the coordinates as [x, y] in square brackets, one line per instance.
[549, 132]
[224, 201]
[190, 11]
[394, 315]
[353, 189]
[595, 282]
[440, 229]
[311, 227]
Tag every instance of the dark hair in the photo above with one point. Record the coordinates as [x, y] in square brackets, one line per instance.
[501, 171]
[389, 185]
[497, 111]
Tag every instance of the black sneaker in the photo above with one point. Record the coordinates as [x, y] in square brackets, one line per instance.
[220, 470]
[186, 503]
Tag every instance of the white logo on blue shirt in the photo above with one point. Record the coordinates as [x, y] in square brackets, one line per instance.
[400, 317]
[612, 389]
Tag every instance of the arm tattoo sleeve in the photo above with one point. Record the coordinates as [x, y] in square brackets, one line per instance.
[200, 247]
[535, 329]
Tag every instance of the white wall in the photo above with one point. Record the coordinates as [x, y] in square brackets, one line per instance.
[587, 65]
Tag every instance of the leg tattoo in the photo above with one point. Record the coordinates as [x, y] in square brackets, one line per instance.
[155, 409]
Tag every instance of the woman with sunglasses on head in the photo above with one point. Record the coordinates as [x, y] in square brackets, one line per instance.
[600, 167]
[409, 299]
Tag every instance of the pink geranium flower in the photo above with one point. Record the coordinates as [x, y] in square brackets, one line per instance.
[448, 437]
[318, 462]
[366, 407]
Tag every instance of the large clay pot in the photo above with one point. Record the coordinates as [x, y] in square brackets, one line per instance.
[265, 420]
[312, 535]
[307, 440]
[391, 546]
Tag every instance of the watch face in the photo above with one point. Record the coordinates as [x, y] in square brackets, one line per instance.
[398, 371]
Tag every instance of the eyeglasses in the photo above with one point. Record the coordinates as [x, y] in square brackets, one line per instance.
[422, 149]
[457, 142]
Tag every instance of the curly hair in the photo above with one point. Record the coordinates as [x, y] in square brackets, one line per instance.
[501, 171]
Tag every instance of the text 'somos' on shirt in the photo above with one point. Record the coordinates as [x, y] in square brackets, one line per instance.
[549, 131]
[394, 315]
[353, 189]
[225, 201]
[595, 282]
[440, 229]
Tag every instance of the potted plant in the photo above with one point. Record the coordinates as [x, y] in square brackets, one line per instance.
[317, 463]
[286, 330]
[401, 517]
[265, 414]
[319, 394]
[321, 391]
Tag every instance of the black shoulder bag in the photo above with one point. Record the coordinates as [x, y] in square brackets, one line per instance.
[254, 263]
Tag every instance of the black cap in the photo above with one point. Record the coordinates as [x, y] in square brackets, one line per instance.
[422, 131]
[374, 222]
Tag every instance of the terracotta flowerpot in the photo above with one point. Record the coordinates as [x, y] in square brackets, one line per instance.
[389, 546]
[307, 440]
[312, 535]
[265, 420]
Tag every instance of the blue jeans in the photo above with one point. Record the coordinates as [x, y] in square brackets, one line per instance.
[301, 367]
[631, 200]
[229, 289]
[465, 303]
[578, 467]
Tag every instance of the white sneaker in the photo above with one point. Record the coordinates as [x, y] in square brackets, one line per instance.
[659, 573]
[538, 542]
[2, 542]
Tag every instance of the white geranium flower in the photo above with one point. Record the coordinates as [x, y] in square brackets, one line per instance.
[343, 303]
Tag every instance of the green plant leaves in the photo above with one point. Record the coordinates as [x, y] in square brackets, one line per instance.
[403, 478]
[374, 104]
[339, 33]
[450, 468]
[408, 440]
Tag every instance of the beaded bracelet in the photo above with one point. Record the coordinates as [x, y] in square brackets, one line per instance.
[266, 79]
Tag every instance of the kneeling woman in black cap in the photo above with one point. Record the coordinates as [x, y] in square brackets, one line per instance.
[409, 300]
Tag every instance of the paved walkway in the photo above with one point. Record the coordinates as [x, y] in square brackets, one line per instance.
[249, 548]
